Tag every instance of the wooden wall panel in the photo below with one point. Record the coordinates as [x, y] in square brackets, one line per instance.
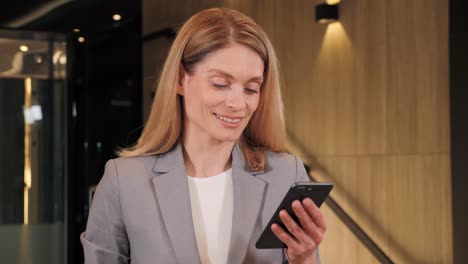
[368, 97]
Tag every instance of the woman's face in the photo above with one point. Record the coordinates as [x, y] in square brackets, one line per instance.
[221, 94]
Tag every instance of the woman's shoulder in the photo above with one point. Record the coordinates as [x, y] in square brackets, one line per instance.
[283, 169]
[280, 156]
[282, 159]
[135, 161]
[136, 165]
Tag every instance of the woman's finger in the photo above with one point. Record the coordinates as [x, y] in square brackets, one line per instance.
[304, 240]
[305, 219]
[284, 236]
[315, 213]
[291, 225]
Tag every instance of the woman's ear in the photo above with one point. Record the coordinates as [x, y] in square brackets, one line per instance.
[180, 85]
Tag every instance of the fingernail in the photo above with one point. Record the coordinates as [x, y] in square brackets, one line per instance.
[283, 213]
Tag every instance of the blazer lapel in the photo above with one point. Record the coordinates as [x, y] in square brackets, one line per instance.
[248, 197]
[173, 197]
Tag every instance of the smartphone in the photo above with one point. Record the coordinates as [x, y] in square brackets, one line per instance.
[318, 192]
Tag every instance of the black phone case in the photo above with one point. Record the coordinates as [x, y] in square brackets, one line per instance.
[318, 192]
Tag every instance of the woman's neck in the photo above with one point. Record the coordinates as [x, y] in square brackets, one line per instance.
[204, 158]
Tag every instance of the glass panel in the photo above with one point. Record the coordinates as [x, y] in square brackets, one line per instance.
[32, 153]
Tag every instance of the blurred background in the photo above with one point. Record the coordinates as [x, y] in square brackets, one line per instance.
[375, 98]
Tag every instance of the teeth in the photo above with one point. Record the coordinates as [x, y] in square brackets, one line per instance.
[229, 120]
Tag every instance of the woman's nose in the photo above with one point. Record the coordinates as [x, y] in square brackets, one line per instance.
[235, 99]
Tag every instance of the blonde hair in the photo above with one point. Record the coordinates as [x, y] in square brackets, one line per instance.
[204, 33]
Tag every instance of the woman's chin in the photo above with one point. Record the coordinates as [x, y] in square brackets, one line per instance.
[228, 138]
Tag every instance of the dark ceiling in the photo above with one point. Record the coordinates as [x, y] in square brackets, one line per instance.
[65, 15]
[11, 10]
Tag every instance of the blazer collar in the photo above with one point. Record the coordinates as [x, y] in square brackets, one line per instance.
[172, 192]
[173, 159]
[238, 160]
[248, 199]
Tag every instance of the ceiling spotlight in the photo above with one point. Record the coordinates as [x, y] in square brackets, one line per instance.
[38, 59]
[81, 39]
[76, 30]
[116, 17]
[325, 13]
[24, 48]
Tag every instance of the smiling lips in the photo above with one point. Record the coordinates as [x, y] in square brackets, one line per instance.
[229, 122]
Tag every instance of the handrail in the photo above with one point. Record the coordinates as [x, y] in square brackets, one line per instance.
[344, 217]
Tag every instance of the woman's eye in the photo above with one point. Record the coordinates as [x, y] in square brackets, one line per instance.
[250, 91]
[221, 86]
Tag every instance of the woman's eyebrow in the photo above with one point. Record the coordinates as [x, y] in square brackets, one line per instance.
[229, 76]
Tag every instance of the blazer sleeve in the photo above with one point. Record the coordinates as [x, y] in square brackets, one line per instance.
[302, 176]
[105, 239]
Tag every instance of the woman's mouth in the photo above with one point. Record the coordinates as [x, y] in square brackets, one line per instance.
[228, 120]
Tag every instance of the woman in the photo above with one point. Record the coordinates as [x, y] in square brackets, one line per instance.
[208, 170]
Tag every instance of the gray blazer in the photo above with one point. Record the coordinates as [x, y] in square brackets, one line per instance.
[141, 210]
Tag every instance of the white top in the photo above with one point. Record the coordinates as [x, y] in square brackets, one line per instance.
[212, 205]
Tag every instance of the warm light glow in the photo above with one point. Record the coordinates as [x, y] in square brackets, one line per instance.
[332, 2]
[63, 59]
[116, 17]
[26, 206]
[81, 39]
[76, 30]
[27, 152]
[38, 59]
[336, 32]
[24, 48]
[326, 20]
[335, 55]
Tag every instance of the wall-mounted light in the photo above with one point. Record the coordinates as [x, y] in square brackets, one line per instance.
[81, 39]
[24, 48]
[116, 17]
[325, 13]
[76, 30]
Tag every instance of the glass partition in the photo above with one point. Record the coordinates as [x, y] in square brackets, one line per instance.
[32, 149]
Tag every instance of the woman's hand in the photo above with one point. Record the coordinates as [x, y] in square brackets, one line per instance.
[301, 246]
